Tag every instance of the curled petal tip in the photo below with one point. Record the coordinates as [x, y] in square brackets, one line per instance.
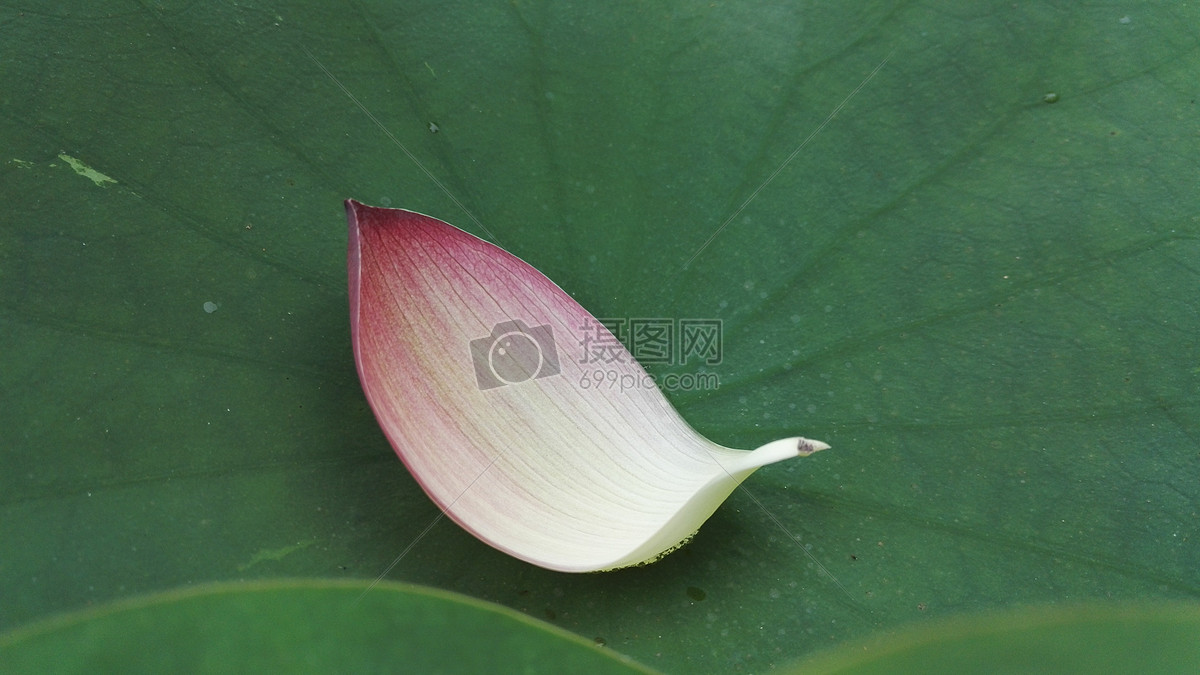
[468, 357]
[807, 446]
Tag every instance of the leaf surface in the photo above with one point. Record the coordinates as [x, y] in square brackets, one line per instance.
[985, 302]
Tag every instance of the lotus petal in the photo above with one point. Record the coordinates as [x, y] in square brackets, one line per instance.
[469, 358]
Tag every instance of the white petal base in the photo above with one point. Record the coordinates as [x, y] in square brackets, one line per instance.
[736, 465]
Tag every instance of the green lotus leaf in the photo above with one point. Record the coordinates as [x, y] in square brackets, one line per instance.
[303, 626]
[977, 283]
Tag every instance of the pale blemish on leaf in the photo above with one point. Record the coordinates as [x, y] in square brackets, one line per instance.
[86, 171]
[266, 554]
